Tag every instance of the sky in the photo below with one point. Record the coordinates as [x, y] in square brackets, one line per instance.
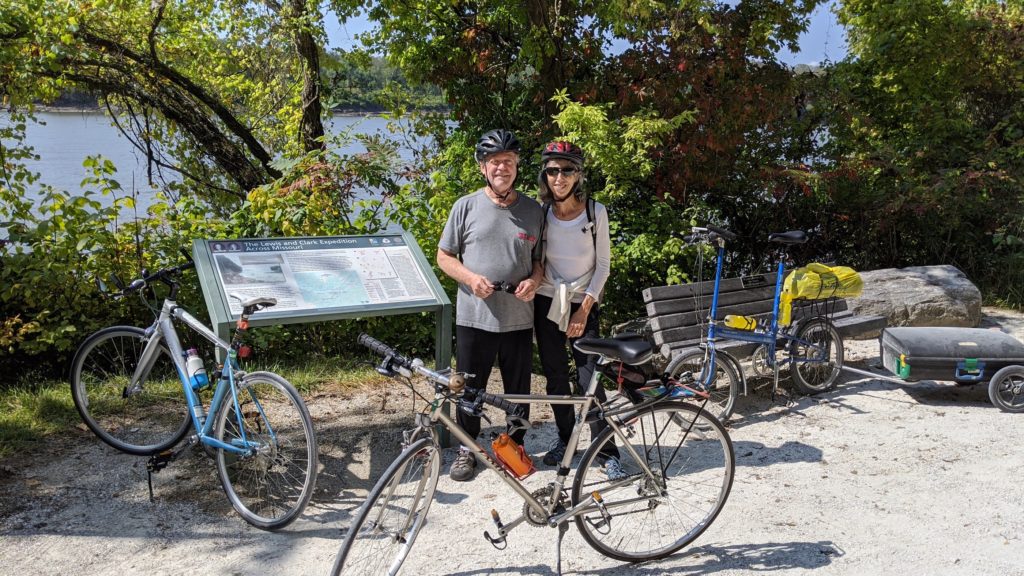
[823, 40]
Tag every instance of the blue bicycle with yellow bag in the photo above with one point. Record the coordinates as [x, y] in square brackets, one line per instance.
[811, 347]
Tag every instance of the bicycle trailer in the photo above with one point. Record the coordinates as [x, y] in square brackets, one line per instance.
[961, 355]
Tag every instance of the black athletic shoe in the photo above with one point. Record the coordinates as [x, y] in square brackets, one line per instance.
[555, 453]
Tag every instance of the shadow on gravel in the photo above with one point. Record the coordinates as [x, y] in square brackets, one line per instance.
[757, 454]
[758, 406]
[709, 559]
[948, 394]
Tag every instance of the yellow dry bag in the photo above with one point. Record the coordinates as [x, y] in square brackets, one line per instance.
[815, 282]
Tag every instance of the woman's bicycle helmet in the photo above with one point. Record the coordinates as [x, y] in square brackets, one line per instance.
[564, 150]
[495, 141]
[560, 150]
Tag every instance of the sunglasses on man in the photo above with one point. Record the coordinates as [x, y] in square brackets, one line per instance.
[553, 172]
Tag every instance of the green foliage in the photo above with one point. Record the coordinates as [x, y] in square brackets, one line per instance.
[358, 82]
[56, 249]
[927, 153]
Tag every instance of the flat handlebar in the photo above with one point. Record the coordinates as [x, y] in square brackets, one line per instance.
[709, 232]
[393, 361]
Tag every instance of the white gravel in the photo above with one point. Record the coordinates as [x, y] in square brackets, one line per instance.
[871, 478]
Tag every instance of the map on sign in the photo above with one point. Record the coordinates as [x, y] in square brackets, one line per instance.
[319, 273]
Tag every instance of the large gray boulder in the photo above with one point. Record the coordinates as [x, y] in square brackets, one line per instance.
[920, 296]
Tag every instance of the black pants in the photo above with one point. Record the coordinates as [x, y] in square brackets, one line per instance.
[551, 344]
[475, 352]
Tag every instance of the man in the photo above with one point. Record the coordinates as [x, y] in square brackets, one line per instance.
[492, 236]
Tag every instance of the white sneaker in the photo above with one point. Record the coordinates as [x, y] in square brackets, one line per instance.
[613, 469]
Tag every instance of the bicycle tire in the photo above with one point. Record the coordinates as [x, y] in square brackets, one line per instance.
[143, 422]
[724, 387]
[816, 367]
[1006, 389]
[690, 452]
[393, 514]
[271, 487]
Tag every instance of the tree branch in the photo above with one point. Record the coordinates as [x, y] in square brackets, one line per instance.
[192, 89]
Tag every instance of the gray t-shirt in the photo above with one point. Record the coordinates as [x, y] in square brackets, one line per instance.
[501, 244]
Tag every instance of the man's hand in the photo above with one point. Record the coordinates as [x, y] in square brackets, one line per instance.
[481, 286]
[526, 290]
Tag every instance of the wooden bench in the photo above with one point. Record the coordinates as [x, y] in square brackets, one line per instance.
[678, 323]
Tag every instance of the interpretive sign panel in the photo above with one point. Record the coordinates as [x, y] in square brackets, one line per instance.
[321, 278]
[317, 274]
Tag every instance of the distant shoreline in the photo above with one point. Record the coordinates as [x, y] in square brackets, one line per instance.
[99, 110]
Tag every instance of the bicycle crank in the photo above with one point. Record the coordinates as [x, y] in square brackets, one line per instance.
[543, 496]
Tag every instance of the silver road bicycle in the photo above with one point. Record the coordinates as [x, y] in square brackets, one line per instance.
[677, 462]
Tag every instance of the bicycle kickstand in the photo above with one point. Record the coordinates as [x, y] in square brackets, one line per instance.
[562, 529]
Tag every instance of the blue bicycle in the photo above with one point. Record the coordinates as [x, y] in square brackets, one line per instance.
[813, 347]
[127, 385]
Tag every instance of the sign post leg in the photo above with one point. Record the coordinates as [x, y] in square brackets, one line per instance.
[443, 360]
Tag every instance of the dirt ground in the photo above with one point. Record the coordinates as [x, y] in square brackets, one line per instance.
[872, 478]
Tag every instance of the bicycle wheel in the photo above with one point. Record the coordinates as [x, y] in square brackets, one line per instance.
[387, 524]
[270, 486]
[1006, 389]
[723, 385]
[145, 419]
[691, 457]
[817, 356]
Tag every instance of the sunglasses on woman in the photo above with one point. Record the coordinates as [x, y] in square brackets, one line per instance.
[553, 172]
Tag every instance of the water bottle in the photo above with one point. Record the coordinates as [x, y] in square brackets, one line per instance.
[740, 322]
[195, 370]
[512, 456]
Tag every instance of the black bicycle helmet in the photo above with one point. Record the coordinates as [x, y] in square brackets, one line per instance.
[564, 150]
[495, 141]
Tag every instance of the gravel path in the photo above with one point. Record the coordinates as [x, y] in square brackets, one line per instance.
[871, 478]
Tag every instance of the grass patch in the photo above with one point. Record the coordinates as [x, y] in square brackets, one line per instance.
[30, 413]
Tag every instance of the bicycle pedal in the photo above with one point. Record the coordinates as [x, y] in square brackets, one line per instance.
[501, 542]
[159, 461]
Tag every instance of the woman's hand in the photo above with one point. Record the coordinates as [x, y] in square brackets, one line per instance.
[577, 323]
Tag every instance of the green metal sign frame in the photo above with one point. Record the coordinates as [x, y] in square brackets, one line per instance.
[272, 262]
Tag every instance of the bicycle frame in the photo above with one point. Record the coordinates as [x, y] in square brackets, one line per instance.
[768, 338]
[586, 401]
[162, 330]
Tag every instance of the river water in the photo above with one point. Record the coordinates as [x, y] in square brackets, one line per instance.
[63, 140]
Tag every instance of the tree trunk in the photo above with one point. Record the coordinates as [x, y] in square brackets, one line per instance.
[311, 129]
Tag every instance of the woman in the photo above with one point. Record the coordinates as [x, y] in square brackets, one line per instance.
[566, 304]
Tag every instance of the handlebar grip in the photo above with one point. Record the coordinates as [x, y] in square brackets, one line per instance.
[502, 404]
[382, 349]
[722, 232]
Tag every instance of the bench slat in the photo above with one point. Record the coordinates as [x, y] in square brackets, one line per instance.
[727, 285]
[691, 318]
[689, 303]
